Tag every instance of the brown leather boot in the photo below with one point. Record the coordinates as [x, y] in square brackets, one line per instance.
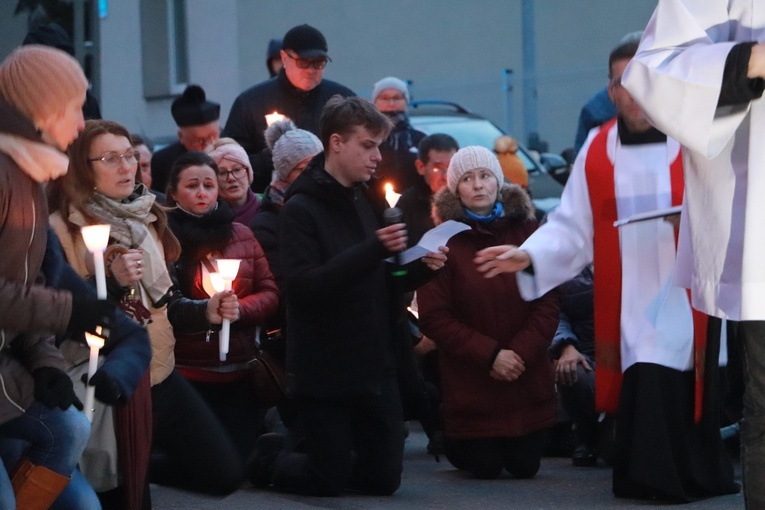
[36, 487]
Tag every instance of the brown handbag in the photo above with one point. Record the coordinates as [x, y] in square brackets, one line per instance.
[267, 376]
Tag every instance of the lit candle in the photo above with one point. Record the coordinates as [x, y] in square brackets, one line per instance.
[95, 343]
[391, 196]
[274, 117]
[227, 269]
[96, 238]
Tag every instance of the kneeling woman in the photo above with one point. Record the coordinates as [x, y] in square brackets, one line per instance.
[497, 379]
[205, 226]
[193, 450]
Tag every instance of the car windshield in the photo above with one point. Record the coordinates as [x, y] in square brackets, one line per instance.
[467, 131]
[473, 130]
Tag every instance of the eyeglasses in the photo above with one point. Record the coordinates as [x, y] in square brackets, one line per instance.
[304, 63]
[114, 160]
[390, 99]
[235, 172]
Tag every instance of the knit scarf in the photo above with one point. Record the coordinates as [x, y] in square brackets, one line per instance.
[129, 220]
[275, 192]
[39, 161]
[200, 235]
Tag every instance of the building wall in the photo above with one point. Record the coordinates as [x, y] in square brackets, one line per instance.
[451, 50]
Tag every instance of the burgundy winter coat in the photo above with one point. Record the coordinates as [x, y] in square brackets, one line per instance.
[254, 285]
[470, 318]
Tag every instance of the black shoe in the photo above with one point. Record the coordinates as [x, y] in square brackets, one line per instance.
[436, 443]
[584, 456]
[260, 465]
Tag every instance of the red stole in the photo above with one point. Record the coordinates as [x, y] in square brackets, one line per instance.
[599, 171]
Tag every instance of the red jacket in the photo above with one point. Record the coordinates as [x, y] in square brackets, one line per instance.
[258, 300]
[470, 318]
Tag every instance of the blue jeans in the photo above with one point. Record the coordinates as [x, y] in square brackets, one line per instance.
[78, 495]
[53, 438]
[751, 334]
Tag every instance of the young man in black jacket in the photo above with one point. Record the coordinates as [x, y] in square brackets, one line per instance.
[344, 312]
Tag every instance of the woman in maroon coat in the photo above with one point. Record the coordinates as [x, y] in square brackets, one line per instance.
[497, 380]
[206, 230]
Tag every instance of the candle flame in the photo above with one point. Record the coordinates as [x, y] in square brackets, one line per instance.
[391, 196]
[94, 341]
[274, 117]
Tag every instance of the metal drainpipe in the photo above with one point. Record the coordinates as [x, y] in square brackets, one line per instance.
[507, 88]
[530, 114]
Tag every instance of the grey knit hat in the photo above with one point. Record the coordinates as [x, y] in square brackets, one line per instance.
[289, 146]
[391, 82]
[471, 158]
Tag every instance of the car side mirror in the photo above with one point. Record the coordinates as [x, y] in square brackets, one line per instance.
[556, 166]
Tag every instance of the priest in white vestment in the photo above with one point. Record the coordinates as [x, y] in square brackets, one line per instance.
[699, 76]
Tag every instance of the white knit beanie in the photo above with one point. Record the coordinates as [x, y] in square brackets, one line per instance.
[391, 82]
[289, 146]
[472, 158]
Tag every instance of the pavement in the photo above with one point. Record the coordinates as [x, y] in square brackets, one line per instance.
[428, 484]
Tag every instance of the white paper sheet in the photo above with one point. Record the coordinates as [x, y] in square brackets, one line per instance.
[650, 215]
[432, 239]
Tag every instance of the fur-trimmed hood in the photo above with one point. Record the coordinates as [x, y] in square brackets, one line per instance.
[516, 204]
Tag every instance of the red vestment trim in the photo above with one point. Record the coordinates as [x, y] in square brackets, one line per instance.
[599, 172]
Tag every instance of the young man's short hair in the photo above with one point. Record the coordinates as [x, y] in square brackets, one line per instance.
[342, 115]
[439, 142]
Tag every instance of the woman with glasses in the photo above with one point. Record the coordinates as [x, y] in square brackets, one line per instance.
[234, 179]
[192, 449]
[205, 226]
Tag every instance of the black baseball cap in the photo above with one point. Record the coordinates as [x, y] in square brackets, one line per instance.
[306, 41]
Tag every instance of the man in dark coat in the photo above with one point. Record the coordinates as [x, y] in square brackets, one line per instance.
[433, 155]
[298, 92]
[344, 308]
[198, 127]
[399, 151]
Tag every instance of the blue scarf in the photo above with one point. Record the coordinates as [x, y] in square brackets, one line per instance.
[493, 215]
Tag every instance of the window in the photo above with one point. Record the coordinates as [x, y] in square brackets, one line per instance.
[164, 47]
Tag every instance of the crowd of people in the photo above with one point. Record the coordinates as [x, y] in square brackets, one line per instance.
[507, 329]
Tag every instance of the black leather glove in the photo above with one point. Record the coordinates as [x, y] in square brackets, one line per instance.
[87, 314]
[54, 388]
[107, 390]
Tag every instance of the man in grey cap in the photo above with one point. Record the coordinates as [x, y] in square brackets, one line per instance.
[198, 127]
[299, 92]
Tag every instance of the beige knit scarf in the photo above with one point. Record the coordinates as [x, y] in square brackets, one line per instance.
[39, 161]
[129, 220]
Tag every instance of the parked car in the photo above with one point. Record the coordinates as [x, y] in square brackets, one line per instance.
[472, 129]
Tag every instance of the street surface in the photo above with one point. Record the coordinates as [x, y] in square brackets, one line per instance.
[428, 484]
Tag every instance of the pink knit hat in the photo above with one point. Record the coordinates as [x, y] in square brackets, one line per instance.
[40, 81]
[228, 148]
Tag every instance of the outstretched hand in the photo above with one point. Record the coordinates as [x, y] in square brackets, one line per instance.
[501, 259]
